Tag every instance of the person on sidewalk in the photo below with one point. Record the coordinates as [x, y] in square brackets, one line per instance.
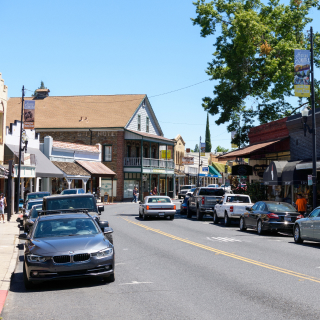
[135, 191]
[3, 204]
[301, 204]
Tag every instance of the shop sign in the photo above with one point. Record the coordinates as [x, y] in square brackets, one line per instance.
[187, 160]
[165, 155]
[158, 170]
[309, 180]
[206, 169]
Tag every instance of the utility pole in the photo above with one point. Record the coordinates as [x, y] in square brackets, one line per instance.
[314, 149]
[19, 163]
[198, 183]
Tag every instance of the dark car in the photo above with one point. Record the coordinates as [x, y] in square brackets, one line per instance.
[28, 206]
[33, 215]
[37, 195]
[184, 206]
[269, 215]
[66, 246]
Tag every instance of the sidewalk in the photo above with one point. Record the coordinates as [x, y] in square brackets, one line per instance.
[9, 241]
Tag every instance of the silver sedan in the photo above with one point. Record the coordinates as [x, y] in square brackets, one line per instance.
[308, 228]
[157, 206]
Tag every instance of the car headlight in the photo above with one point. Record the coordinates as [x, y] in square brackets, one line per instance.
[103, 253]
[35, 258]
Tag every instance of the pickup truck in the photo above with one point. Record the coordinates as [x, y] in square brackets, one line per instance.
[184, 189]
[230, 208]
[203, 201]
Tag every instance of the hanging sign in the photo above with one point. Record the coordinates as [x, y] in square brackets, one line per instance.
[302, 73]
[28, 115]
[203, 148]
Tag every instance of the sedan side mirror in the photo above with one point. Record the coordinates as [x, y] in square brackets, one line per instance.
[107, 230]
[24, 236]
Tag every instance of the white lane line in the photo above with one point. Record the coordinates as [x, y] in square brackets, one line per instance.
[134, 282]
[219, 239]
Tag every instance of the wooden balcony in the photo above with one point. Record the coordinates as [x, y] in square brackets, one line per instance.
[149, 163]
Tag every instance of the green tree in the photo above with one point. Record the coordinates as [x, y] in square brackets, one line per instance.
[196, 148]
[221, 149]
[208, 136]
[41, 87]
[254, 56]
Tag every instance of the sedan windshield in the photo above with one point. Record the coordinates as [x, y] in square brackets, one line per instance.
[281, 207]
[32, 203]
[65, 227]
[71, 203]
[159, 200]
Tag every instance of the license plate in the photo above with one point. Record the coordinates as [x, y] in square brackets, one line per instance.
[161, 213]
[287, 219]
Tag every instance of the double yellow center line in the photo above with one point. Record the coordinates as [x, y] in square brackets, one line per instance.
[227, 254]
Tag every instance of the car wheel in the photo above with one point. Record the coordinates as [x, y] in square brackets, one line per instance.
[110, 278]
[227, 220]
[29, 285]
[109, 237]
[171, 217]
[189, 212]
[199, 215]
[297, 235]
[242, 225]
[144, 217]
[259, 227]
[215, 218]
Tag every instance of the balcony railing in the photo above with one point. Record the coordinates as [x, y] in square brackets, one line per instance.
[149, 162]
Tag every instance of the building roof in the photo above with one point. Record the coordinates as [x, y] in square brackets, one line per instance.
[75, 146]
[96, 168]
[71, 168]
[103, 111]
[152, 136]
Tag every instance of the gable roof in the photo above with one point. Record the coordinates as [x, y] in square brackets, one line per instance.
[75, 146]
[112, 111]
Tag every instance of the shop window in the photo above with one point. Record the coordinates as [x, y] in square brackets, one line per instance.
[107, 153]
[134, 175]
[139, 122]
[126, 175]
[138, 175]
[147, 124]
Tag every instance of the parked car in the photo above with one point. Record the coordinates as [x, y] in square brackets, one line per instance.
[184, 205]
[28, 206]
[269, 215]
[33, 215]
[190, 192]
[230, 208]
[73, 191]
[203, 201]
[184, 189]
[74, 203]
[157, 206]
[37, 195]
[307, 228]
[66, 246]
[21, 203]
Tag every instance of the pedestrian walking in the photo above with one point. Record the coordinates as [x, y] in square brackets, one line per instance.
[3, 204]
[135, 191]
[301, 204]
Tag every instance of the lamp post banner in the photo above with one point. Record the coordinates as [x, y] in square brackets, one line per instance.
[302, 73]
[28, 114]
[203, 148]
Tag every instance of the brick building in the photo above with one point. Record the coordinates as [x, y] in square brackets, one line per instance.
[125, 126]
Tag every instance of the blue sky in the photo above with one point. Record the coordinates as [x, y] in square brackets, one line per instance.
[114, 47]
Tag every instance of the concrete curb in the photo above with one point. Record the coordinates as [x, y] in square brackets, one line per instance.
[5, 285]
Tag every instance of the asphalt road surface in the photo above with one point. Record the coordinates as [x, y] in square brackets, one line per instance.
[183, 269]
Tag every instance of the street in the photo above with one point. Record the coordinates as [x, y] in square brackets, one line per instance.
[183, 269]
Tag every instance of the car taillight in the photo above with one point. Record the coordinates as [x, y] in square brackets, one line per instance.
[300, 217]
[272, 216]
[202, 200]
[231, 209]
[147, 207]
[174, 207]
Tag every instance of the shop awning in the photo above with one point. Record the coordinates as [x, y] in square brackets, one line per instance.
[291, 175]
[273, 175]
[245, 152]
[307, 165]
[72, 170]
[44, 167]
[213, 171]
[96, 168]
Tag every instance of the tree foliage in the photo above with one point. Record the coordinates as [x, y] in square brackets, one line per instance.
[254, 57]
[41, 87]
[196, 148]
[208, 136]
[221, 149]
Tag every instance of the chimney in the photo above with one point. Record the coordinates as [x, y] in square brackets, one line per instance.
[41, 93]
